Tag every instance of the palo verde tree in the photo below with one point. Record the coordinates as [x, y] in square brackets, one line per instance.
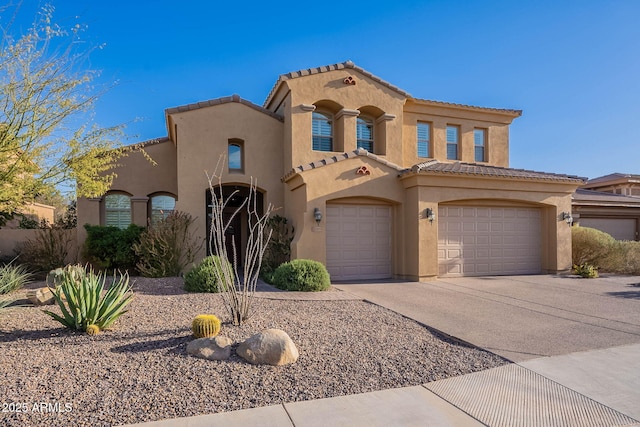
[47, 136]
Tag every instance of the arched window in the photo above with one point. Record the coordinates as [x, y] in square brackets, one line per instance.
[322, 131]
[161, 207]
[364, 134]
[235, 155]
[117, 210]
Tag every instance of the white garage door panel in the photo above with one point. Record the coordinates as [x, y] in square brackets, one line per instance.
[475, 241]
[358, 242]
[619, 228]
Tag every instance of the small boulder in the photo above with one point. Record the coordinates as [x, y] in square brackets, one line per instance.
[42, 296]
[269, 347]
[213, 348]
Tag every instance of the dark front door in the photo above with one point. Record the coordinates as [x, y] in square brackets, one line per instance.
[233, 236]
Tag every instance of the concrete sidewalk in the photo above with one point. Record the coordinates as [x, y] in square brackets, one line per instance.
[521, 318]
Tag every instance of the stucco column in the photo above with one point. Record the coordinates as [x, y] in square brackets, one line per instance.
[139, 211]
[88, 210]
[420, 260]
[345, 131]
[563, 259]
[380, 137]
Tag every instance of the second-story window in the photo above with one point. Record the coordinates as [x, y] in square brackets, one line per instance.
[424, 139]
[364, 134]
[322, 131]
[479, 143]
[453, 139]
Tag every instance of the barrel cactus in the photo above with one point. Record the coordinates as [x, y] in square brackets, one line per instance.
[93, 329]
[205, 325]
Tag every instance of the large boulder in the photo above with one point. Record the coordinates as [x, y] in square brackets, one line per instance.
[42, 296]
[213, 348]
[269, 347]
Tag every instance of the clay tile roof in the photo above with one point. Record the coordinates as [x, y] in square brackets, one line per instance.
[326, 68]
[338, 158]
[585, 197]
[516, 113]
[613, 177]
[219, 101]
[460, 168]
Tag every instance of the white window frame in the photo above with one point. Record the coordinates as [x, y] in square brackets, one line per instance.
[480, 145]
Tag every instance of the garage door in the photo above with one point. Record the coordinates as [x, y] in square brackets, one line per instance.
[358, 242]
[479, 241]
[619, 228]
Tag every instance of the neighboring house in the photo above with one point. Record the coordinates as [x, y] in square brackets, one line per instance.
[611, 204]
[377, 183]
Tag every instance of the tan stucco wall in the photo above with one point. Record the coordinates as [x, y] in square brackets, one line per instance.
[425, 191]
[496, 125]
[203, 135]
[339, 183]
[138, 178]
[364, 95]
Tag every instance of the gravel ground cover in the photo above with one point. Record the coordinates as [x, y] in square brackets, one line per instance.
[139, 371]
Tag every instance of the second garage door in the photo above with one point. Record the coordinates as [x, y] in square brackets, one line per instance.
[359, 242]
[480, 241]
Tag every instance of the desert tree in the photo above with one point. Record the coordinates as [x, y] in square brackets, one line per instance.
[47, 134]
[238, 283]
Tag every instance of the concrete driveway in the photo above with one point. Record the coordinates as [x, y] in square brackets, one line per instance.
[519, 317]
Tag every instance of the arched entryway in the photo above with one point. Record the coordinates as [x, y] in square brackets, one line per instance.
[236, 234]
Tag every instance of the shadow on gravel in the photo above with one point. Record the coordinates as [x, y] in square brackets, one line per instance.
[174, 343]
[30, 335]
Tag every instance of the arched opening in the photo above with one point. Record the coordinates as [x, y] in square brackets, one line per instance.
[236, 234]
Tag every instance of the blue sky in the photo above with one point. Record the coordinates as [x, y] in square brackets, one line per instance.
[573, 67]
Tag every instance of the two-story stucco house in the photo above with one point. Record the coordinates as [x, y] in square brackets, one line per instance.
[377, 183]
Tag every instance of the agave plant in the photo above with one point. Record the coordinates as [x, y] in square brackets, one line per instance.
[82, 302]
[13, 277]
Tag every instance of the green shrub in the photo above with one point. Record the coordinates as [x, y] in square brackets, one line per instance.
[203, 278]
[302, 275]
[83, 304]
[590, 246]
[13, 277]
[586, 270]
[167, 247]
[624, 258]
[50, 248]
[110, 248]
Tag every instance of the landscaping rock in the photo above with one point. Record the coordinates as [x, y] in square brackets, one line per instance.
[269, 347]
[42, 296]
[214, 348]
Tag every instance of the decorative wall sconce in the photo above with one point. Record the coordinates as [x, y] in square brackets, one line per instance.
[430, 214]
[317, 215]
[566, 216]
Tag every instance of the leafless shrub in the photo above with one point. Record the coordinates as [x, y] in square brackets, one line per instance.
[238, 284]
